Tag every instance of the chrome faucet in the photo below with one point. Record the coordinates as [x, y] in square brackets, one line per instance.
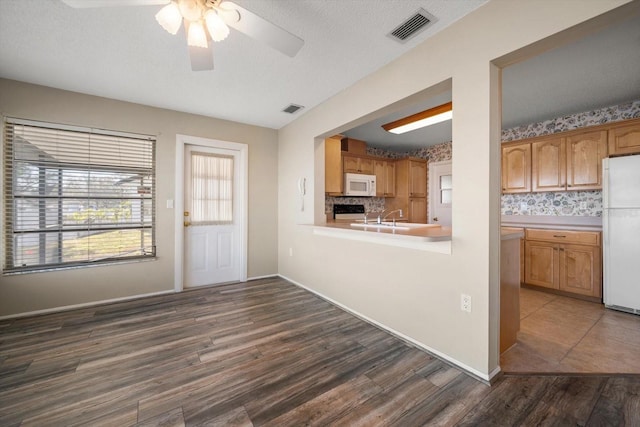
[381, 218]
[366, 217]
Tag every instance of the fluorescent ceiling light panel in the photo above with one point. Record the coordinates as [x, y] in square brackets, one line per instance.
[419, 120]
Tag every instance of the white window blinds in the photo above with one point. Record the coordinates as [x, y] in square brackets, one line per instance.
[75, 195]
[211, 189]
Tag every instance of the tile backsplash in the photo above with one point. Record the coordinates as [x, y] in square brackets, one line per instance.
[563, 203]
[371, 204]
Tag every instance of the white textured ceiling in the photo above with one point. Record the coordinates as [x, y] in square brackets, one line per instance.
[122, 53]
[598, 71]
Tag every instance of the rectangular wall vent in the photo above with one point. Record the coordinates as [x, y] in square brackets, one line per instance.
[417, 23]
[292, 108]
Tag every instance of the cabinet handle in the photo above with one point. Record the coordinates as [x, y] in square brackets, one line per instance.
[561, 249]
[559, 235]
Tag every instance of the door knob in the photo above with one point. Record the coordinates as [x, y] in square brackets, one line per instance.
[435, 218]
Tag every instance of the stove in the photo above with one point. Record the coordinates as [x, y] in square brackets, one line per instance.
[348, 212]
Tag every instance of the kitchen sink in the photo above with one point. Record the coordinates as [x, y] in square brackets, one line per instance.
[374, 225]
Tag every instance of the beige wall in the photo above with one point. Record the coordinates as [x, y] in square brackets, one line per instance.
[40, 291]
[413, 292]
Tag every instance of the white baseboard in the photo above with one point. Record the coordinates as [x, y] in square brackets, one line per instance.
[468, 369]
[266, 276]
[84, 305]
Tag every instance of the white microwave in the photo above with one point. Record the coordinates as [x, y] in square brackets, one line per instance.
[356, 184]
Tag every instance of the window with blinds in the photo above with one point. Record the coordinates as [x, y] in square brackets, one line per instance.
[75, 196]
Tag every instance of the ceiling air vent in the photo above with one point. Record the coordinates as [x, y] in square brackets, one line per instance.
[418, 22]
[292, 108]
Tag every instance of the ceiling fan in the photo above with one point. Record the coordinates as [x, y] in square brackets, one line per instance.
[206, 21]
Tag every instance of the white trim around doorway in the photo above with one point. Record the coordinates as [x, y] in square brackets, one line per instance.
[243, 189]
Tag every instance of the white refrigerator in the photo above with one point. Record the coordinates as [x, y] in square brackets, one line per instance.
[621, 233]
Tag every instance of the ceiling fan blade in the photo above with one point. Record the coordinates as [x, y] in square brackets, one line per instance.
[262, 30]
[82, 4]
[201, 58]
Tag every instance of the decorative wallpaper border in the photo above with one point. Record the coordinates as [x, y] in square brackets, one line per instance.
[615, 113]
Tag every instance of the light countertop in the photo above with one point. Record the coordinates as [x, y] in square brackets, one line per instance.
[508, 233]
[427, 233]
[578, 223]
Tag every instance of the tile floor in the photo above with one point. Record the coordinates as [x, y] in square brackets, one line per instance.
[567, 335]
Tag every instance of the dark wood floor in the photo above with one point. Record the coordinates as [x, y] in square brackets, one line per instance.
[265, 353]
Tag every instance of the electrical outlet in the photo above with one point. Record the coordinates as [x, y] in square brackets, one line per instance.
[524, 206]
[290, 251]
[465, 303]
[583, 205]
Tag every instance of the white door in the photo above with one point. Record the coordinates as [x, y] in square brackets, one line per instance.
[440, 193]
[212, 227]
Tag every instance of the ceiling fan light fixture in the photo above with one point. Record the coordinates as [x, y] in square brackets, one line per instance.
[169, 18]
[190, 9]
[422, 119]
[196, 35]
[218, 30]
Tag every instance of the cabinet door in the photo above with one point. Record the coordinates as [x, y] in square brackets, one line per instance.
[624, 139]
[580, 270]
[584, 160]
[333, 176]
[351, 164]
[541, 264]
[390, 179]
[417, 179]
[418, 210]
[366, 165]
[516, 168]
[549, 165]
[379, 170]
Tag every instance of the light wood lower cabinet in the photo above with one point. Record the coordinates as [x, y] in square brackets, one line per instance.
[580, 270]
[541, 264]
[417, 210]
[569, 261]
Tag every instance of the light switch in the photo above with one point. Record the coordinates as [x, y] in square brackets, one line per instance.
[169, 203]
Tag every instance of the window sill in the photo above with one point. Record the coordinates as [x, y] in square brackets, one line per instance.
[77, 267]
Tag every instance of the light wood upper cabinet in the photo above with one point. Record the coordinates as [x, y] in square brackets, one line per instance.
[625, 138]
[417, 178]
[548, 158]
[333, 175]
[390, 179]
[385, 178]
[381, 178]
[558, 163]
[516, 168]
[357, 164]
[410, 189]
[585, 152]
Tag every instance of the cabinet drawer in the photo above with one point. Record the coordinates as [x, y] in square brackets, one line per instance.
[564, 236]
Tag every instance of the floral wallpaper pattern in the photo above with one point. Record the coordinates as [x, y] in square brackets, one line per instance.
[601, 116]
[573, 203]
[564, 203]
